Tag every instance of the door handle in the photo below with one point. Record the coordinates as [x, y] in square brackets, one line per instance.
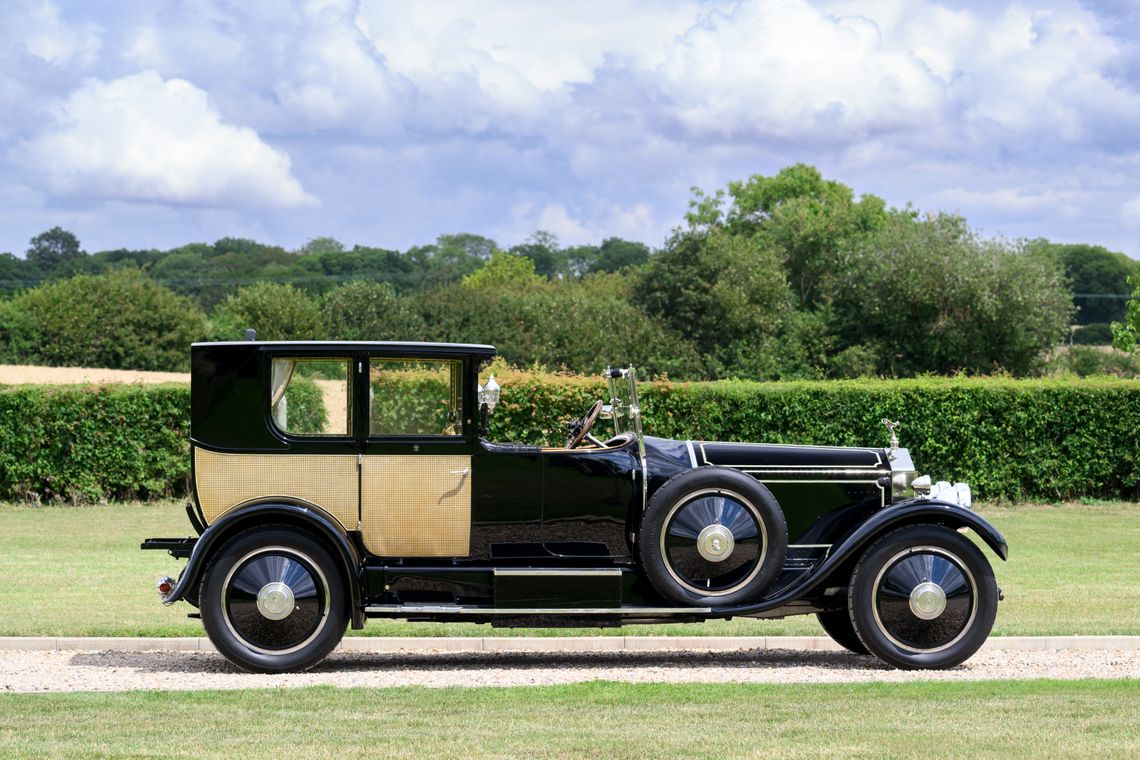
[464, 471]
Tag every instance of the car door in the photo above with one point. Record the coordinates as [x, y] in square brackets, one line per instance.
[415, 466]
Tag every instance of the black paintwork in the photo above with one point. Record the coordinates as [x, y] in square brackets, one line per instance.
[543, 508]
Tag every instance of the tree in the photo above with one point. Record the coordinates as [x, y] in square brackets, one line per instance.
[1126, 334]
[321, 245]
[543, 249]
[810, 220]
[929, 295]
[616, 254]
[1092, 271]
[121, 320]
[277, 311]
[504, 270]
[724, 292]
[370, 311]
[51, 250]
[576, 325]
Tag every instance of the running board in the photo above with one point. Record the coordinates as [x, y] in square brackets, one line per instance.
[454, 609]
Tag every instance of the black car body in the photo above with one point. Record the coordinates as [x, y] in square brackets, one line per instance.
[335, 481]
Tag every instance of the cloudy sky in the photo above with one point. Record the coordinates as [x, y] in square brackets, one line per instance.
[389, 123]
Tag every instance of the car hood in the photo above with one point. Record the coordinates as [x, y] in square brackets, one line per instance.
[779, 456]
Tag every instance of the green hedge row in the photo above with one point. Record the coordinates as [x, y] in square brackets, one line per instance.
[1014, 439]
[83, 444]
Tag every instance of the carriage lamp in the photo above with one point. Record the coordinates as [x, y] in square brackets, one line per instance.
[489, 394]
[488, 400]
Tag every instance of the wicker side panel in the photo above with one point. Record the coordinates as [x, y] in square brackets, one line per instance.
[327, 480]
[416, 506]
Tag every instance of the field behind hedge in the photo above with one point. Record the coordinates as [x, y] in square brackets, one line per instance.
[1010, 439]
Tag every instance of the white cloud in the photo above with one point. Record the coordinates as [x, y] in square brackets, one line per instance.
[556, 219]
[1131, 211]
[36, 27]
[519, 50]
[147, 139]
[783, 69]
[591, 118]
[1010, 201]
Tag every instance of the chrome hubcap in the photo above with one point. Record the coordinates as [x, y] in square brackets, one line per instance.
[275, 600]
[715, 543]
[927, 600]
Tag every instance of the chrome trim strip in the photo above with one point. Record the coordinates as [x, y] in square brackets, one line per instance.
[876, 452]
[438, 609]
[851, 472]
[555, 571]
[692, 454]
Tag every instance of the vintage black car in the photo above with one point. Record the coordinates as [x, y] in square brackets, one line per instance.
[335, 482]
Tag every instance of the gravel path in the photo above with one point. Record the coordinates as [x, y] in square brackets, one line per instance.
[28, 671]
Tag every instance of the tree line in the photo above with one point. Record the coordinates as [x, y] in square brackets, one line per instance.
[773, 277]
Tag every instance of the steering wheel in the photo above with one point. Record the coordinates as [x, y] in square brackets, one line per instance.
[581, 427]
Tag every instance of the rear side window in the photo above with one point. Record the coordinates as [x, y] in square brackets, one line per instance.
[312, 397]
[415, 397]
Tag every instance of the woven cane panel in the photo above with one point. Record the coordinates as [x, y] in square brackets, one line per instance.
[416, 506]
[327, 480]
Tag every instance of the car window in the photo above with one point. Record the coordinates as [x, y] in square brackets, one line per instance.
[415, 397]
[311, 396]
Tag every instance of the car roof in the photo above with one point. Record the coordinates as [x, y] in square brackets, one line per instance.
[387, 346]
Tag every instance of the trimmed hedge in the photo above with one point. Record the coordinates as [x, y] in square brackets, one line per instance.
[91, 443]
[1012, 439]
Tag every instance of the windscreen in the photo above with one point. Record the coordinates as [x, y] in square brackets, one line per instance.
[623, 401]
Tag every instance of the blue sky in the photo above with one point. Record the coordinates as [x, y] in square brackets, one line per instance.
[388, 123]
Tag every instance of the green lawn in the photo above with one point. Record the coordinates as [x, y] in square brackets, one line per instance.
[77, 571]
[590, 720]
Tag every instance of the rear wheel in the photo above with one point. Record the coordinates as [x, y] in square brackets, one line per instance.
[274, 600]
[923, 596]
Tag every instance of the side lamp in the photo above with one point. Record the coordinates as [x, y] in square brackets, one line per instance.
[488, 400]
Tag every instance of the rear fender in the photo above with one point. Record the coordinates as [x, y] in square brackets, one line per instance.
[302, 515]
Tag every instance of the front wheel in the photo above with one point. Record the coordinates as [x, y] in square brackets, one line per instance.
[923, 596]
[273, 600]
[837, 625]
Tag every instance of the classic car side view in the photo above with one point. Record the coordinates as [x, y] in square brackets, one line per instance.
[339, 481]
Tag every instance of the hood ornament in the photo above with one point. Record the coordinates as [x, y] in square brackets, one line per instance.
[892, 428]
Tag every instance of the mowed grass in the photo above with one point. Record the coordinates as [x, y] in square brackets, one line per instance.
[590, 720]
[78, 571]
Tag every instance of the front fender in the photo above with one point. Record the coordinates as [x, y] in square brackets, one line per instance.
[308, 516]
[921, 509]
[908, 511]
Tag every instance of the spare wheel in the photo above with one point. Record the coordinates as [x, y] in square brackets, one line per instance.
[712, 537]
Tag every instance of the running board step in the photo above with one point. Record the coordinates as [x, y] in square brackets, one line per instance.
[545, 588]
[401, 610]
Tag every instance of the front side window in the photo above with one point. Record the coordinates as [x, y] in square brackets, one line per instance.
[311, 396]
[415, 397]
